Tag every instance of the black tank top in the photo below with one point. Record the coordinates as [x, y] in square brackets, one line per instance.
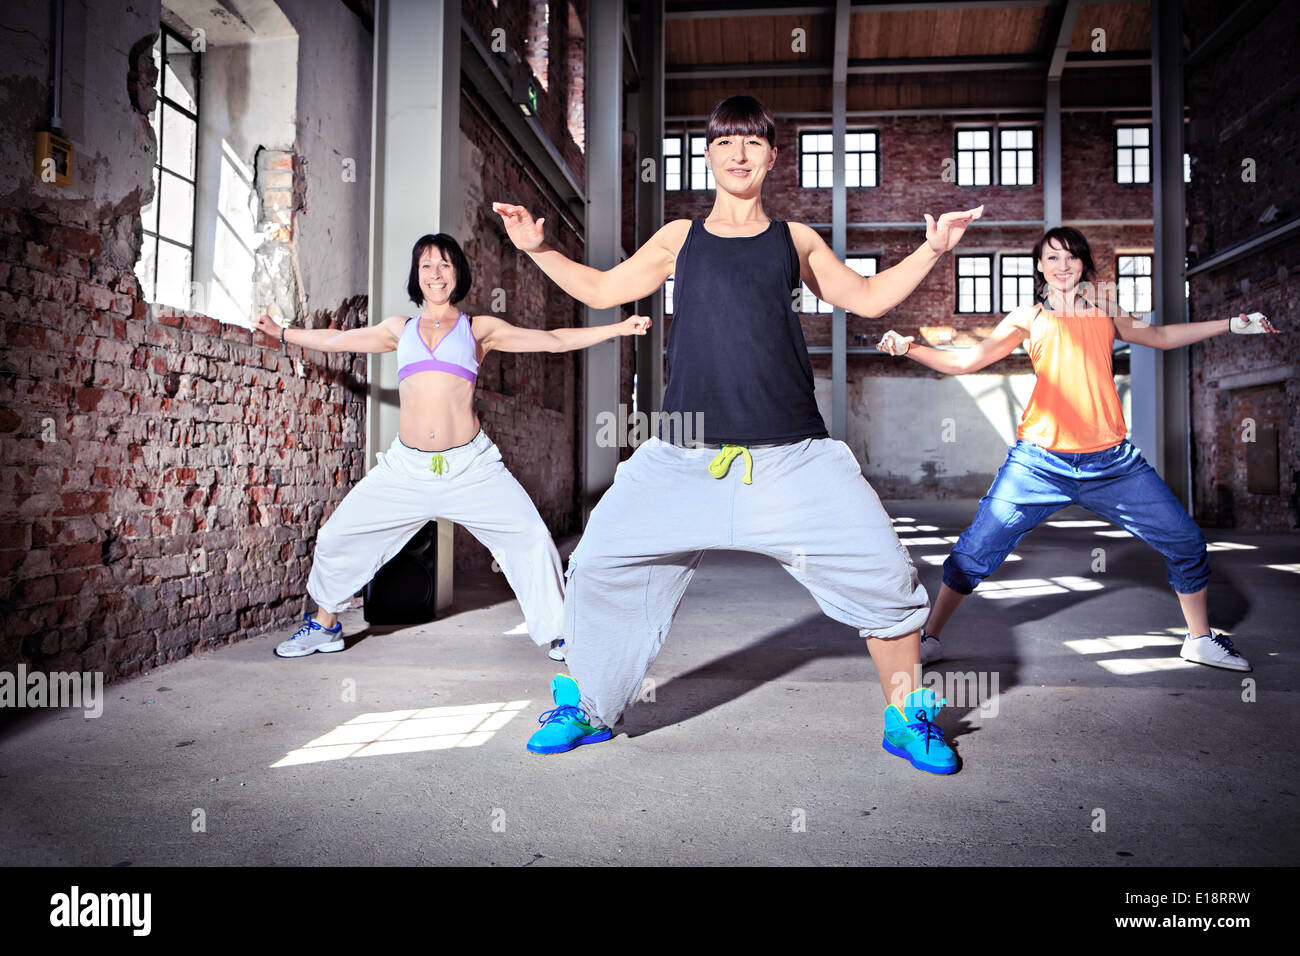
[736, 352]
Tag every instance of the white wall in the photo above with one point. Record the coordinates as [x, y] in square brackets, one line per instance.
[335, 81]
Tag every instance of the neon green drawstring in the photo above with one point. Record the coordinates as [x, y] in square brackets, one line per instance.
[721, 463]
[438, 465]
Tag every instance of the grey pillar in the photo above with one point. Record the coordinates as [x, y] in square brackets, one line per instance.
[839, 220]
[1168, 298]
[1052, 116]
[1052, 155]
[650, 196]
[415, 150]
[604, 91]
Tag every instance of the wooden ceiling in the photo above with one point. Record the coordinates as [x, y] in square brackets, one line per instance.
[972, 54]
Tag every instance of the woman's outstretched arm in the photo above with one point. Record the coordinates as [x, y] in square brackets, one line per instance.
[1001, 342]
[371, 338]
[634, 278]
[494, 333]
[1138, 330]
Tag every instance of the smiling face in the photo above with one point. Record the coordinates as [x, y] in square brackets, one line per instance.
[437, 276]
[1060, 268]
[740, 163]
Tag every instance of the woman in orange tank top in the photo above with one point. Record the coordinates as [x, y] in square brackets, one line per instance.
[1071, 446]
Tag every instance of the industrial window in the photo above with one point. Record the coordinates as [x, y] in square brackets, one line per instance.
[862, 265]
[975, 283]
[1133, 154]
[166, 266]
[1017, 281]
[817, 159]
[1016, 156]
[974, 156]
[672, 163]
[668, 295]
[701, 175]
[1134, 286]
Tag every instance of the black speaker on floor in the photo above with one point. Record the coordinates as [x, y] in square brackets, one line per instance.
[405, 590]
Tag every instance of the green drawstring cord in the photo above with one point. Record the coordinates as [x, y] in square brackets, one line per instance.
[438, 465]
[722, 462]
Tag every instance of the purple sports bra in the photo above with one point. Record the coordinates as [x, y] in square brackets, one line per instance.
[456, 353]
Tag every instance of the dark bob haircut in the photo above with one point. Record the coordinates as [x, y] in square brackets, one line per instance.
[743, 116]
[1071, 239]
[451, 251]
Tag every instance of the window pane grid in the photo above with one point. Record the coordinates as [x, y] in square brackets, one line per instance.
[817, 160]
[975, 283]
[1133, 154]
[166, 265]
[1134, 286]
[1017, 285]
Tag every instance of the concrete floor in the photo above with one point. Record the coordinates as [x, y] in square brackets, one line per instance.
[762, 744]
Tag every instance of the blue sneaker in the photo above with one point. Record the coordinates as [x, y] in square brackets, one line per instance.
[567, 725]
[310, 638]
[912, 734]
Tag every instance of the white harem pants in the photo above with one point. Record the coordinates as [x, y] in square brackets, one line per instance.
[467, 484]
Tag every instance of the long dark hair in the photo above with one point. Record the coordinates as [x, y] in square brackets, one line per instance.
[1072, 240]
[451, 251]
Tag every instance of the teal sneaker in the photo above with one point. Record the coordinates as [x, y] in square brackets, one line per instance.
[912, 734]
[566, 726]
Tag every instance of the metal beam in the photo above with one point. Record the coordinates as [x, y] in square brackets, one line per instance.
[839, 216]
[415, 138]
[1052, 114]
[604, 114]
[1245, 248]
[484, 72]
[650, 196]
[907, 65]
[1168, 404]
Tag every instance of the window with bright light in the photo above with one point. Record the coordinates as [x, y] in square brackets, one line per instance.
[975, 283]
[974, 156]
[672, 163]
[701, 175]
[1016, 156]
[166, 265]
[1133, 154]
[1017, 281]
[1134, 283]
[817, 160]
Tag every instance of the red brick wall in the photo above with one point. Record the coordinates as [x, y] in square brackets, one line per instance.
[528, 402]
[166, 474]
[1258, 121]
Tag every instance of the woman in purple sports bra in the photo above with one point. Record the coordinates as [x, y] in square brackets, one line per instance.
[442, 464]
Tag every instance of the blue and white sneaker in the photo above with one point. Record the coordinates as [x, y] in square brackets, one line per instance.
[556, 653]
[310, 638]
[567, 725]
[912, 734]
[1214, 650]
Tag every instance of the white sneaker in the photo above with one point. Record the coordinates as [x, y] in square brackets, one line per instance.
[1213, 649]
[931, 649]
[556, 653]
[310, 638]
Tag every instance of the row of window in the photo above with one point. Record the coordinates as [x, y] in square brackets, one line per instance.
[1015, 158]
[975, 288]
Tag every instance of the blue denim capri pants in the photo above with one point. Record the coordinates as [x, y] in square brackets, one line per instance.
[1115, 483]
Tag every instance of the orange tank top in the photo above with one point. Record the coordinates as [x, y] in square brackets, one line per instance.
[1074, 406]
